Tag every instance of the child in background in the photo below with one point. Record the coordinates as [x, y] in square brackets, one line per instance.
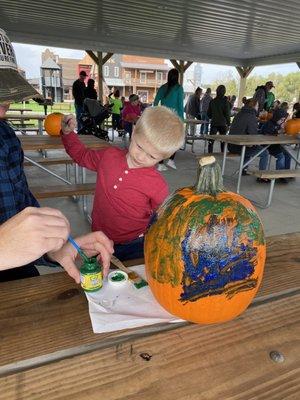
[131, 113]
[129, 188]
[116, 110]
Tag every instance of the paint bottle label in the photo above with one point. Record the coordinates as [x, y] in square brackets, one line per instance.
[91, 275]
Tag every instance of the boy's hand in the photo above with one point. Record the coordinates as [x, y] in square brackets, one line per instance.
[68, 124]
[30, 234]
[92, 244]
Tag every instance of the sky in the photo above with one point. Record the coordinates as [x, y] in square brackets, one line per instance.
[29, 59]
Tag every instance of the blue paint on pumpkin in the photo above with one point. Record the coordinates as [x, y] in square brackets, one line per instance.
[213, 263]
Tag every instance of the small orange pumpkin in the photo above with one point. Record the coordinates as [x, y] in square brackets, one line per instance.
[292, 126]
[265, 116]
[52, 123]
[205, 251]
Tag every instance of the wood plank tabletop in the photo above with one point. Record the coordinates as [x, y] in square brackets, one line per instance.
[47, 344]
[223, 362]
[251, 140]
[47, 142]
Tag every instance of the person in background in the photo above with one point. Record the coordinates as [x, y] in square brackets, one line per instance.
[219, 113]
[261, 94]
[123, 101]
[131, 113]
[273, 127]
[269, 103]
[232, 101]
[276, 105]
[244, 99]
[117, 105]
[245, 123]
[129, 188]
[296, 110]
[90, 91]
[78, 91]
[204, 104]
[170, 95]
[192, 108]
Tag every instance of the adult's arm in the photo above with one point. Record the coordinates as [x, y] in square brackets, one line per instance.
[180, 102]
[209, 111]
[227, 112]
[30, 234]
[158, 97]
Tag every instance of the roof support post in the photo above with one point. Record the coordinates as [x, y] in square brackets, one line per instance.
[298, 63]
[181, 68]
[244, 72]
[99, 60]
[100, 75]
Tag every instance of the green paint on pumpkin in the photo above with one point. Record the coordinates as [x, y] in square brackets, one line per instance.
[196, 213]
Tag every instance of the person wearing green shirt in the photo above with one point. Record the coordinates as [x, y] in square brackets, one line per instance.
[116, 110]
[170, 95]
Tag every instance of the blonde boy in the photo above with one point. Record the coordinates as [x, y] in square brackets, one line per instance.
[129, 188]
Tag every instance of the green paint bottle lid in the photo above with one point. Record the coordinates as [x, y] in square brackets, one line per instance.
[117, 278]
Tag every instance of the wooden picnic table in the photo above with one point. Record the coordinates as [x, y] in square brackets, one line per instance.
[27, 117]
[47, 142]
[253, 140]
[49, 351]
[21, 110]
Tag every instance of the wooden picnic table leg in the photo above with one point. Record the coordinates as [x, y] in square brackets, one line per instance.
[84, 197]
[296, 159]
[47, 170]
[241, 168]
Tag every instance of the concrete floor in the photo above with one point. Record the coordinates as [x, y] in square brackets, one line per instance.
[282, 217]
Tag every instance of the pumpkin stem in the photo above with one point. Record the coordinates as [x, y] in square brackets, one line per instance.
[209, 179]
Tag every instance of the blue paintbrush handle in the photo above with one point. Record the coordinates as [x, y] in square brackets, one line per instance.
[76, 246]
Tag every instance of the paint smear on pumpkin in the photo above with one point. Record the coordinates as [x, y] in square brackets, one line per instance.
[207, 245]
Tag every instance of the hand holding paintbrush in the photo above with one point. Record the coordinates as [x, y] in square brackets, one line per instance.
[92, 244]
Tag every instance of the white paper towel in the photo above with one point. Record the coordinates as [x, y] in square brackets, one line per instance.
[117, 308]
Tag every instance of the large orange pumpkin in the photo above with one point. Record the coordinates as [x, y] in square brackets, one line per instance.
[292, 126]
[52, 123]
[205, 251]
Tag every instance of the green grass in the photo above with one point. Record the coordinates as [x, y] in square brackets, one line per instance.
[35, 107]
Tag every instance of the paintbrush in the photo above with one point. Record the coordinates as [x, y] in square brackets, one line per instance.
[77, 247]
[137, 280]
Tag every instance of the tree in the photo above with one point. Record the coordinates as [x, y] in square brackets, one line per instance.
[287, 87]
[229, 81]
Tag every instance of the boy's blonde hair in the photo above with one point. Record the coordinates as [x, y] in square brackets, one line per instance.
[162, 128]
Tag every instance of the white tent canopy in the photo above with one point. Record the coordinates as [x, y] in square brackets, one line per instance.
[241, 33]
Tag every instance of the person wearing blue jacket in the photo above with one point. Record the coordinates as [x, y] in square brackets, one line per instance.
[170, 95]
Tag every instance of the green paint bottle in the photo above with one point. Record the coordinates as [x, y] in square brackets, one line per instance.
[91, 275]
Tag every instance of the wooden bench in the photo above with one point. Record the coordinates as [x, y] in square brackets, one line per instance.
[50, 191]
[273, 175]
[50, 161]
[26, 129]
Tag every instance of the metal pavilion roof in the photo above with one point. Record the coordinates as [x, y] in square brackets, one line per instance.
[235, 32]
